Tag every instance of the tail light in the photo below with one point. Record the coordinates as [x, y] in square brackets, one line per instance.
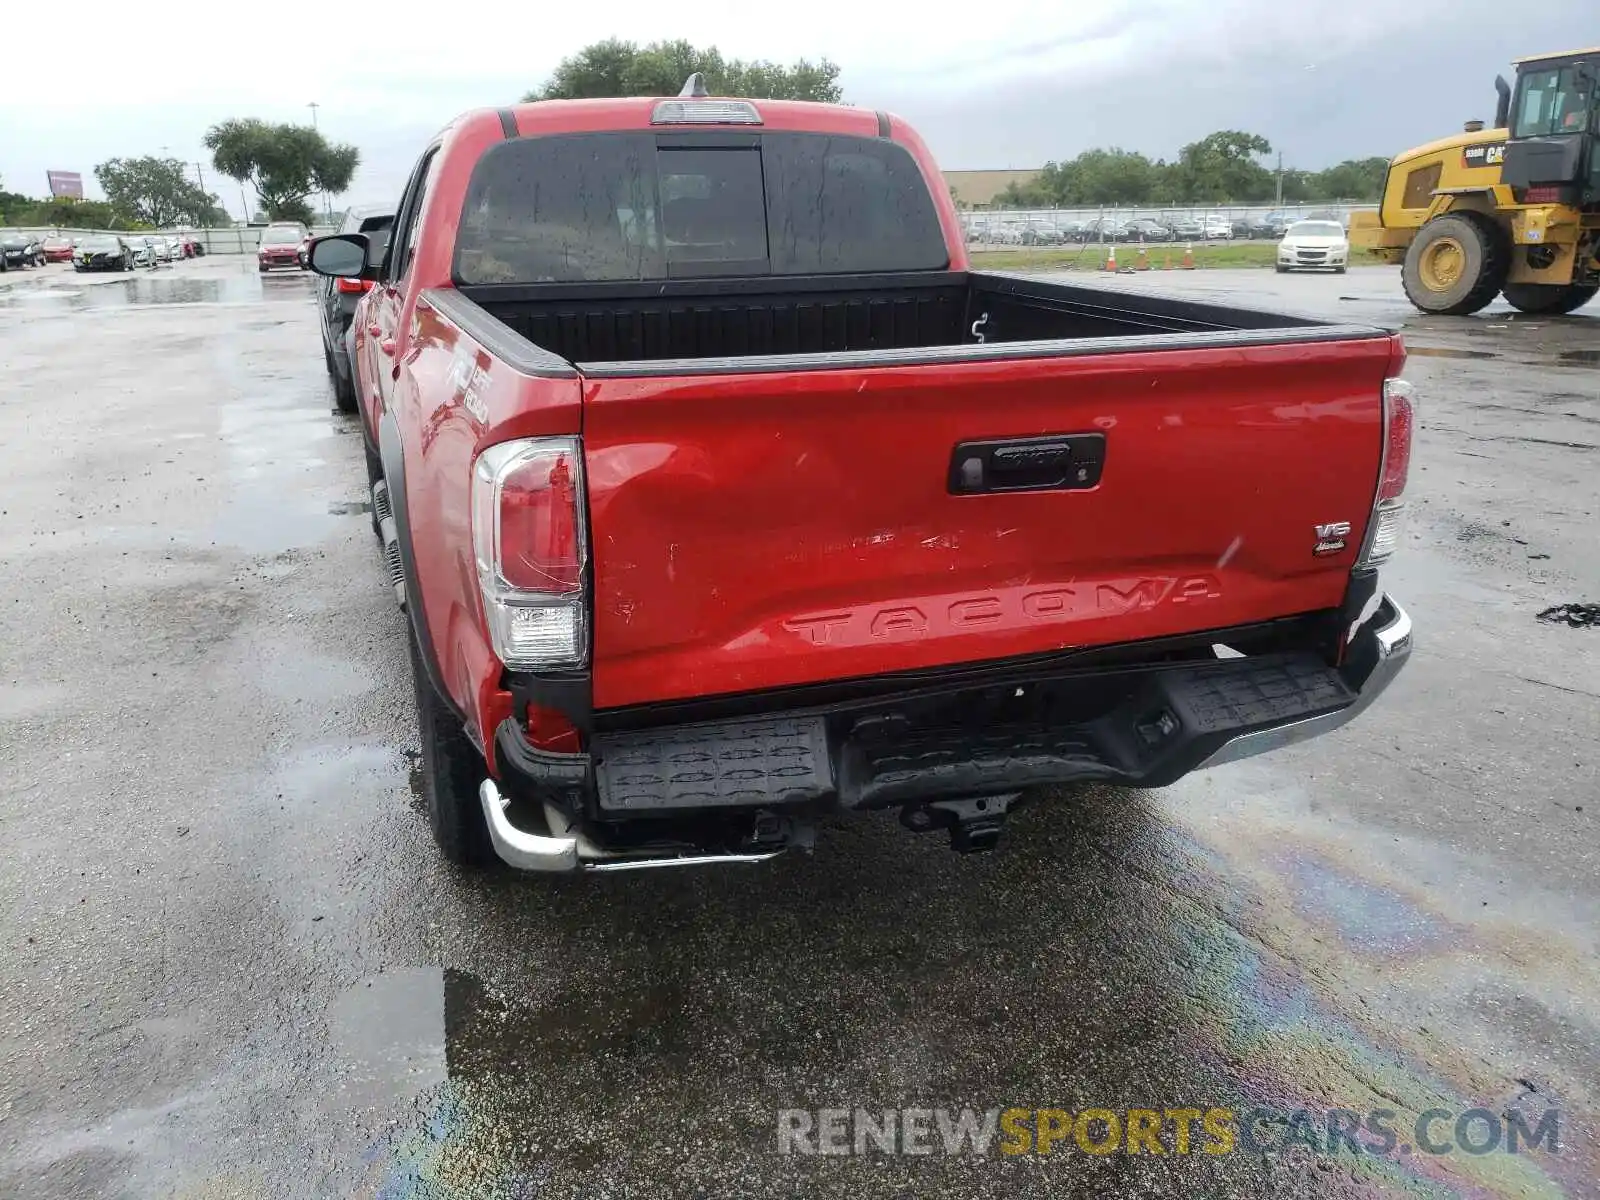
[1388, 507]
[353, 285]
[529, 537]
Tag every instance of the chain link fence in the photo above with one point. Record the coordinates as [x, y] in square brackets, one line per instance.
[1152, 224]
[216, 241]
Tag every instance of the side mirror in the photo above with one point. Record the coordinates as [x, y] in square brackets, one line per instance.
[341, 255]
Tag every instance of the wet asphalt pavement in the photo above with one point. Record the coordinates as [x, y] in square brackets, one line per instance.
[234, 967]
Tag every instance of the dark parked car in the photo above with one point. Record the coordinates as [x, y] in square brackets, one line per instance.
[337, 300]
[1272, 225]
[20, 250]
[1147, 229]
[1105, 229]
[104, 252]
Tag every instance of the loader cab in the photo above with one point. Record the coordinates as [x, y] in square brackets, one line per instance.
[1553, 125]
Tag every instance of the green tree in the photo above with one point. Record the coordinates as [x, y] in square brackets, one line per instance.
[153, 191]
[621, 68]
[1353, 179]
[1222, 166]
[12, 203]
[81, 214]
[283, 163]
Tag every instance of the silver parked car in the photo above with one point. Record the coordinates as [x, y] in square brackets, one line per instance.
[144, 254]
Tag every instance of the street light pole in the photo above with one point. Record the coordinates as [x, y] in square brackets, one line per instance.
[327, 203]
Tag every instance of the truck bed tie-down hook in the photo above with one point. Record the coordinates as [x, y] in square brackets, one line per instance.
[977, 327]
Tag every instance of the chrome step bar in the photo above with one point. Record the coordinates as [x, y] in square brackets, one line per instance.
[571, 851]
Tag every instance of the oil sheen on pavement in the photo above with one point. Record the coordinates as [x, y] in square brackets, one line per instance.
[235, 967]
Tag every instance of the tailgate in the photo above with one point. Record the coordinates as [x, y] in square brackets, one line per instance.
[762, 530]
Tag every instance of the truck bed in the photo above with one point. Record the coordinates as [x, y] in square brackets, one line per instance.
[855, 486]
[713, 321]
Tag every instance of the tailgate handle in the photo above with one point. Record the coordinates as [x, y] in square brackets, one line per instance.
[1056, 462]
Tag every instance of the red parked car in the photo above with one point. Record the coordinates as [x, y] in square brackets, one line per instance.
[280, 246]
[57, 249]
[722, 494]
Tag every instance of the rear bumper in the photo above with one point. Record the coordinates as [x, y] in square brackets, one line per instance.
[724, 791]
[1378, 658]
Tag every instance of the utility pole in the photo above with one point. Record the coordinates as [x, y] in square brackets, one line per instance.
[313, 106]
[1280, 180]
[200, 174]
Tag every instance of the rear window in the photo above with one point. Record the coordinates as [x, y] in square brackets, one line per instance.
[621, 206]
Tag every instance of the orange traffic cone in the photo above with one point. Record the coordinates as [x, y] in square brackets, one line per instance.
[1188, 257]
[1142, 263]
[1111, 258]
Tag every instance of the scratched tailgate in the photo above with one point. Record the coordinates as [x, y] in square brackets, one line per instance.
[772, 528]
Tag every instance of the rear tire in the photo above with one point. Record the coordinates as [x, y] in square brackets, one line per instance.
[1549, 299]
[1456, 264]
[344, 393]
[452, 769]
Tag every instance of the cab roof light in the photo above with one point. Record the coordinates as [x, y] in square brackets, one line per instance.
[705, 112]
[695, 107]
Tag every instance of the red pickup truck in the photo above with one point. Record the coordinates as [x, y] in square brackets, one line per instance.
[722, 493]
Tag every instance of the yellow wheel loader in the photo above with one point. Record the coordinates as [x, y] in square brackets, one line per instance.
[1513, 210]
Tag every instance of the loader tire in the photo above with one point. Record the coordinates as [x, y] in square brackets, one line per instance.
[1456, 264]
[1549, 299]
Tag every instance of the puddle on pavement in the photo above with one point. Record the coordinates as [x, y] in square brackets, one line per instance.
[274, 443]
[419, 797]
[142, 291]
[389, 1030]
[1446, 352]
[1578, 616]
[1579, 358]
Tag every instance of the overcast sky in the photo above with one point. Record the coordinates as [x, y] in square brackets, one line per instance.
[1004, 84]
